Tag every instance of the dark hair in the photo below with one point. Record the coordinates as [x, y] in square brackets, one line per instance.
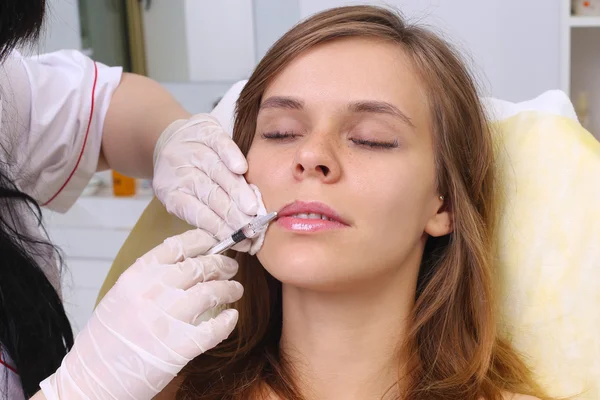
[20, 23]
[34, 329]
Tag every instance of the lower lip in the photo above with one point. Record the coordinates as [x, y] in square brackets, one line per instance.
[308, 225]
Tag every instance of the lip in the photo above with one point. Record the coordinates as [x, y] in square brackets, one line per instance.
[287, 220]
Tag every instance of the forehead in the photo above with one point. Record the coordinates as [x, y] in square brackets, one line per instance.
[352, 69]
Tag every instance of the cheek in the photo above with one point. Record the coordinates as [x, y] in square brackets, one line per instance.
[395, 197]
[394, 214]
[387, 198]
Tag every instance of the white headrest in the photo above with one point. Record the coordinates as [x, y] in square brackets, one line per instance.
[225, 110]
[554, 102]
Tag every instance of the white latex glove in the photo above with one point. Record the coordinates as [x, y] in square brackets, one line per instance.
[143, 332]
[198, 176]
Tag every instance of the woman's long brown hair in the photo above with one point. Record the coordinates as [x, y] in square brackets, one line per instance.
[456, 350]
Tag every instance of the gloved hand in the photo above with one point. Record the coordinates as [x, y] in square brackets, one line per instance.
[198, 176]
[143, 332]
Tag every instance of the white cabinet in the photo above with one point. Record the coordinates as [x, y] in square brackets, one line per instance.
[90, 236]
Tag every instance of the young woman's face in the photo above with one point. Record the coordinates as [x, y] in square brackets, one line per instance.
[344, 151]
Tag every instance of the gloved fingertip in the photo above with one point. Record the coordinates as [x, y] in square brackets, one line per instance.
[230, 314]
[226, 321]
[233, 158]
[238, 166]
[248, 201]
[249, 207]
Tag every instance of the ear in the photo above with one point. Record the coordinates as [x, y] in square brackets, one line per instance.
[440, 224]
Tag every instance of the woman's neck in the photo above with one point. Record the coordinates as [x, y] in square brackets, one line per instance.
[347, 345]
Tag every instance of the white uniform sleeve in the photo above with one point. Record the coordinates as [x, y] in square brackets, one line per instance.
[53, 110]
[10, 383]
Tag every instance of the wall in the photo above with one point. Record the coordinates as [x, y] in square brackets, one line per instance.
[512, 60]
[516, 61]
[515, 43]
[164, 27]
[197, 97]
[220, 39]
[105, 24]
[62, 29]
[271, 20]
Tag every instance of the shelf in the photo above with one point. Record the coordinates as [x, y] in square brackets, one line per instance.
[98, 212]
[584, 22]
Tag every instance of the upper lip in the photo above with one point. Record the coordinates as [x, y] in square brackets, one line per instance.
[313, 207]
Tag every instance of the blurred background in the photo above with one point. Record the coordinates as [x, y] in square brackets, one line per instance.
[198, 48]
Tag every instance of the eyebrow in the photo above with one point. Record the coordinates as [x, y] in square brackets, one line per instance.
[289, 103]
[380, 107]
[367, 106]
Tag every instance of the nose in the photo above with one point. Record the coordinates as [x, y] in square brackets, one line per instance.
[316, 158]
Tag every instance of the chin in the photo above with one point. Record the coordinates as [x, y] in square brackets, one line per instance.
[308, 265]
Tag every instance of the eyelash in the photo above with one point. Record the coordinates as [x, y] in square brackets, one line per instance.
[279, 135]
[361, 142]
[376, 145]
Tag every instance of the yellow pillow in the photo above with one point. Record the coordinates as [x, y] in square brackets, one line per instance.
[549, 239]
[549, 245]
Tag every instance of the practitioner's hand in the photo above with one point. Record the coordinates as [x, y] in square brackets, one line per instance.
[144, 331]
[198, 176]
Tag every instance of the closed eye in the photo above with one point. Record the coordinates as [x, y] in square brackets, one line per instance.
[288, 135]
[278, 135]
[375, 145]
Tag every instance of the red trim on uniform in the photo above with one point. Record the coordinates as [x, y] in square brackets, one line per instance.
[10, 367]
[87, 132]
